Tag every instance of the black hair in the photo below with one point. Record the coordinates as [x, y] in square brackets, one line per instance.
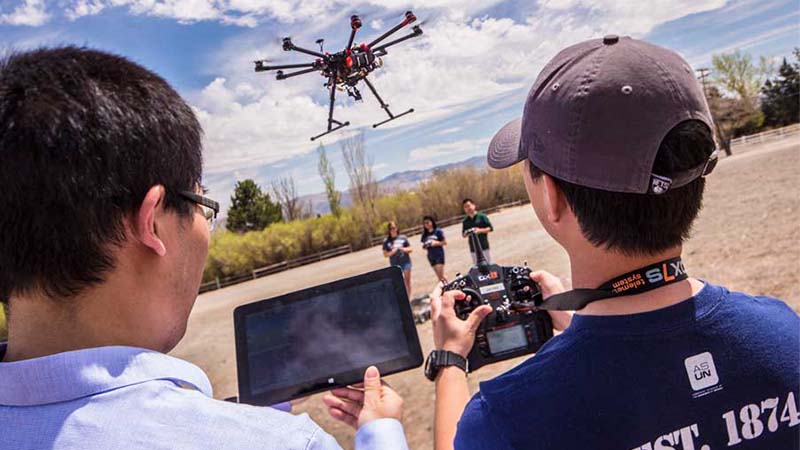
[466, 200]
[433, 222]
[645, 224]
[83, 136]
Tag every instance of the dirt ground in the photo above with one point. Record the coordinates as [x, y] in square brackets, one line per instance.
[747, 238]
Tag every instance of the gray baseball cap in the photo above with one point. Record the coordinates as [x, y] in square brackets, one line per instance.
[598, 112]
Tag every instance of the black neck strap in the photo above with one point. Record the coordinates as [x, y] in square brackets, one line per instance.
[640, 280]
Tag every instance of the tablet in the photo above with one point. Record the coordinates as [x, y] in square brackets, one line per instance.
[324, 337]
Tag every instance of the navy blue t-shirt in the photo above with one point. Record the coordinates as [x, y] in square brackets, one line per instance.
[400, 258]
[437, 235]
[718, 371]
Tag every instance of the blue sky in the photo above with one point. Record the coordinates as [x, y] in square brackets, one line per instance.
[466, 77]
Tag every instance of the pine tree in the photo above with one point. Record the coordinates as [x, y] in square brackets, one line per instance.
[251, 209]
[780, 102]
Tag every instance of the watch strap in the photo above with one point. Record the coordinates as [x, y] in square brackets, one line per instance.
[443, 358]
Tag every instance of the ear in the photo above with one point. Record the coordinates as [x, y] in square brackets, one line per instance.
[554, 202]
[145, 220]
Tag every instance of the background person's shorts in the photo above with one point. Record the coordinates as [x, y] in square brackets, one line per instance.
[406, 267]
[436, 259]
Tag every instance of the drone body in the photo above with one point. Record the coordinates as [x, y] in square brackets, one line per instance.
[344, 69]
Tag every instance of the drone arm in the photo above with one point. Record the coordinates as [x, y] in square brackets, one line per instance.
[409, 19]
[382, 49]
[260, 67]
[355, 24]
[283, 76]
[291, 46]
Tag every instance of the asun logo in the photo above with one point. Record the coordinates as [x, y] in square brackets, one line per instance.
[701, 371]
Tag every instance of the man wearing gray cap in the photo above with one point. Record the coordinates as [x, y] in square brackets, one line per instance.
[616, 140]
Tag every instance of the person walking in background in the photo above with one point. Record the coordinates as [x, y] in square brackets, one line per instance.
[433, 241]
[396, 247]
[482, 226]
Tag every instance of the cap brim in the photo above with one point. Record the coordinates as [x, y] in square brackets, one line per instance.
[504, 150]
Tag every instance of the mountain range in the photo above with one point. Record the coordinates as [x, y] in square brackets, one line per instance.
[398, 181]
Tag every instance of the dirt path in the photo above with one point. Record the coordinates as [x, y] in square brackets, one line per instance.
[746, 238]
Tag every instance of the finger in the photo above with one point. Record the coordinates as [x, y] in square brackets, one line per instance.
[332, 401]
[349, 394]
[449, 298]
[372, 386]
[343, 417]
[436, 306]
[476, 316]
[549, 283]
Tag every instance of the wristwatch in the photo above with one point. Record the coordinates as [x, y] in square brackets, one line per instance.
[442, 358]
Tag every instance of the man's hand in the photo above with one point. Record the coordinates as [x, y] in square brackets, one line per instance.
[356, 408]
[449, 332]
[551, 285]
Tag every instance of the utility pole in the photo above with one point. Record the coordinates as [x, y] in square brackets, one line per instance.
[703, 73]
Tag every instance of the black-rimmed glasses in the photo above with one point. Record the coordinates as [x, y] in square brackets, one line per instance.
[210, 207]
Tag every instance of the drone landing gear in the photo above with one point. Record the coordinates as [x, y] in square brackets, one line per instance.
[384, 106]
[331, 120]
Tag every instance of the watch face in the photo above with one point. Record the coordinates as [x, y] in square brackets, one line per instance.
[430, 368]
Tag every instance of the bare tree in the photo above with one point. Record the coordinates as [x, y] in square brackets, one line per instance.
[328, 175]
[285, 191]
[363, 186]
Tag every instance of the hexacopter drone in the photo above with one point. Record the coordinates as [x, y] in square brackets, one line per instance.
[343, 70]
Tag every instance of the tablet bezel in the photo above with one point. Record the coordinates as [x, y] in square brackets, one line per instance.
[414, 358]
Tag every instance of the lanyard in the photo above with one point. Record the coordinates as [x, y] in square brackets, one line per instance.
[635, 282]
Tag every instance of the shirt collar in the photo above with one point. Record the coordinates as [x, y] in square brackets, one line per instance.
[81, 373]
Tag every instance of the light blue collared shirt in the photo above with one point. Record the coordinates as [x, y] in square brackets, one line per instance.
[130, 399]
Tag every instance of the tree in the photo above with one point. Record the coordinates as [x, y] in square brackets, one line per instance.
[363, 186]
[328, 175]
[285, 191]
[730, 115]
[780, 100]
[733, 99]
[736, 74]
[251, 209]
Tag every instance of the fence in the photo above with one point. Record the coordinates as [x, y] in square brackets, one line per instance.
[765, 136]
[219, 283]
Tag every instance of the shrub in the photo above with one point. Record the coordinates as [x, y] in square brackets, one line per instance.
[235, 254]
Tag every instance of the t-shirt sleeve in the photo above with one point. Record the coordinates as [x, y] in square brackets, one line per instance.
[476, 430]
[406, 243]
[387, 245]
[487, 222]
[440, 234]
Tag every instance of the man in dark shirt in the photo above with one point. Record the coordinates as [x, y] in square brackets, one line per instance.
[616, 140]
[479, 222]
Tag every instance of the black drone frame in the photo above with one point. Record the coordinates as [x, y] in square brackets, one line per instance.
[337, 67]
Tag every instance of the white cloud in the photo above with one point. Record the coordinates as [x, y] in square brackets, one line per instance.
[30, 13]
[437, 154]
[459, 63]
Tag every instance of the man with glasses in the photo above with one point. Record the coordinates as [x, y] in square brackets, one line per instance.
[103, 238]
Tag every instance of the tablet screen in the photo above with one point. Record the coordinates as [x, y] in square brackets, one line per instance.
[326, 336]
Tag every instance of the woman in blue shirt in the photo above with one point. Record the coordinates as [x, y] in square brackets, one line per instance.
[396, 247]
[433, 241]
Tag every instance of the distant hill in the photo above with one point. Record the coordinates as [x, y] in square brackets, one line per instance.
[398, 181]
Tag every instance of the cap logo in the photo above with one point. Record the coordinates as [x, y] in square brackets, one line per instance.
[627, 89]
[659, 184]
